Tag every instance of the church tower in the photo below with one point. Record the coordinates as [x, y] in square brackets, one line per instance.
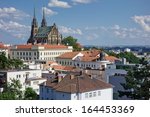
[43, 23]
[34, 29]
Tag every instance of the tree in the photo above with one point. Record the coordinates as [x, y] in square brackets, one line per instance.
[137, 84]
[131, 58]
[30, 94]
[12, 91]
[7, 63]
[3, 61]
[70, 41]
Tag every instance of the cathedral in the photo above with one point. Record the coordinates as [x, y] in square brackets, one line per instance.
[44, 34]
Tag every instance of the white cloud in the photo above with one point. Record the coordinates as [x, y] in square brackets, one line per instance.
[66, 30]
[82, 1]
[15, 29]
[12, 13]
[92, 36]
[57, 3]
[128, 33]
[143, 21]
[49, 11]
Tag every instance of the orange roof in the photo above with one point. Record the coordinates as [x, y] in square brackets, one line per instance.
[29, 46]
[86, 59]
[111, 58]
[51, 62]
[90, 54]
[54, 46]
[65, 68]
[3, 46]
[68, 55]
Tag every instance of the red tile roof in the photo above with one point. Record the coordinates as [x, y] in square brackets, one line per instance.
[88, 59]
[2, 46]
[54, 46]
[68, 55]
[29, 46]
[111, 58]
[90, 54]
[77, 84]
[64, 68]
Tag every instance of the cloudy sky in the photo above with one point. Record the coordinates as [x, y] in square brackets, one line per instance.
[92, 22]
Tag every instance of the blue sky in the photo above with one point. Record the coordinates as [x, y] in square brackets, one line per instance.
[92, 22]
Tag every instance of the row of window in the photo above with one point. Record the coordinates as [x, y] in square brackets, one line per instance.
[82, 65]
[19, 76]
[25, 75]
[65, 63]
[48, 58]
[25, 53]
[52, 53]
[35, 53]
[92, 94]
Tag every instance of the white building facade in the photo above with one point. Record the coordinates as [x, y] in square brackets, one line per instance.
[84, 60]
[24, 76]
[50, 94]
[70, 89]
[38, 52]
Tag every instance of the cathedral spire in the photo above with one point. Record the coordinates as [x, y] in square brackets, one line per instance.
[34, 21]
[43, 23]
[34, 28]
[34, 13]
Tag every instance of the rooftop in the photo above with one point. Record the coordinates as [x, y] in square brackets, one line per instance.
[72, 83]
[2, 46]
[90, 54]
[17, 70]
[46, 46]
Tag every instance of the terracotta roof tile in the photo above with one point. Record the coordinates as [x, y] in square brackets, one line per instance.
[77, 84]
[24, 46]
[87, 59]
[111, 58]
[90, 54]
[68, 55]
[54, 46]
[29, 46]
[65, 68]
[2, 46]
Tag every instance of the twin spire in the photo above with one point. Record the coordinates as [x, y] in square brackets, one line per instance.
[43, 23]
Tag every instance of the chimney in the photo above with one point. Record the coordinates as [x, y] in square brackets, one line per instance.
[60, 78]
[71, 77]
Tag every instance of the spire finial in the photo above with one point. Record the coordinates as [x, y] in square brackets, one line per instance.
[34, 12]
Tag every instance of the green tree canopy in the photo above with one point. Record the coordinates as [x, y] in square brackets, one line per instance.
[137, 83]
[12, 91]
[7, 63]
[30, 94]
[70, 41]
[131, 58]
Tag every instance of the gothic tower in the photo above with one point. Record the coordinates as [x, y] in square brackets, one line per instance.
[43, 23]
[34, 29]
